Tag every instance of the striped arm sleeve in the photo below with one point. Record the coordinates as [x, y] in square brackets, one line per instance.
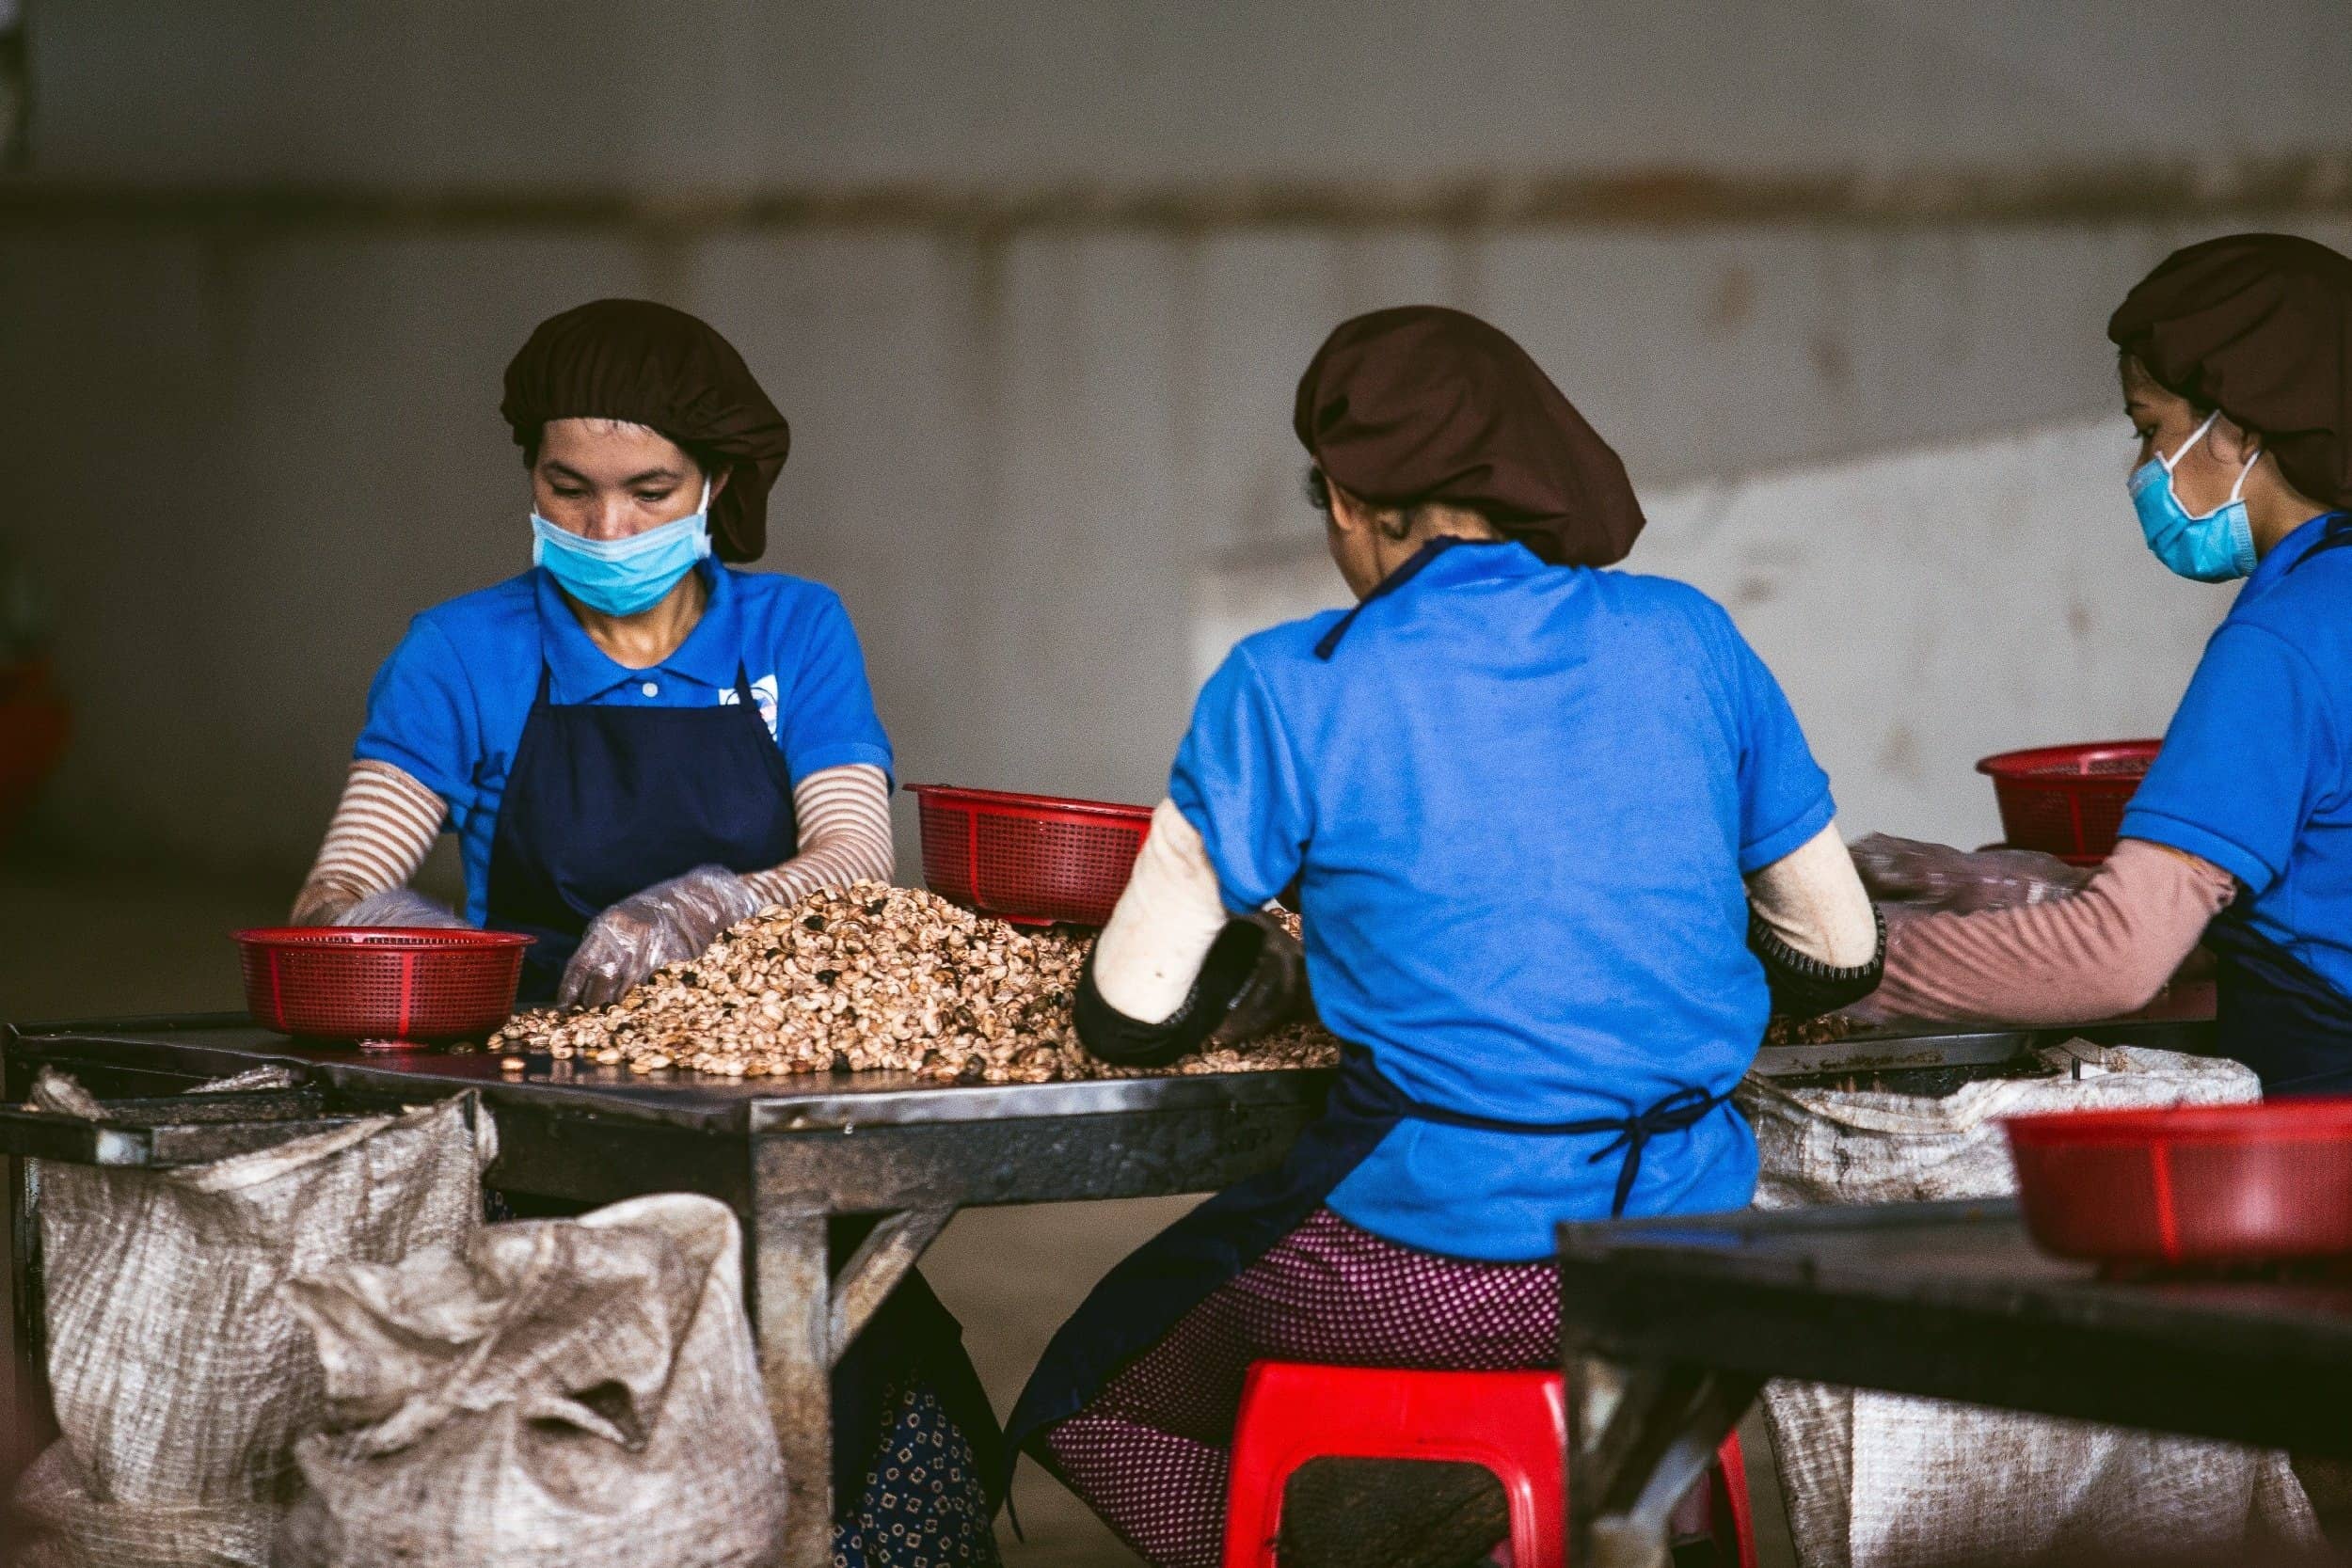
[379, 835]
[844, 817]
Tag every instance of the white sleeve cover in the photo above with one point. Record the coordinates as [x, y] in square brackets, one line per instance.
[1151, 953]
[1812, 898]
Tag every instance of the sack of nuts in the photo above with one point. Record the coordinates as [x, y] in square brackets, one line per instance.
[561, 1394]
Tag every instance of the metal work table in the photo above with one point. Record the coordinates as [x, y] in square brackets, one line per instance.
[811, 1164]
[796, 1158]
[1671, 1326]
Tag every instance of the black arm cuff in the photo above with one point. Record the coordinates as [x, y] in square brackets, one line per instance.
[1124, 1041]
[1804, 986]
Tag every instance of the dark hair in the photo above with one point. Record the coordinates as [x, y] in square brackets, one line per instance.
[711, 464]
[1395, 523]
[2128, 364]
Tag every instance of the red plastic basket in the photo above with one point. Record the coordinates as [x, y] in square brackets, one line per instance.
[1032, 859]
[381, 982]
[2068, 800]
[2188, 1185]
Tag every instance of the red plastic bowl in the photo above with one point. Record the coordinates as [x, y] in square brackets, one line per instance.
[1032, 859]
[381, 982]
[2188, 1185]
[2068, 800]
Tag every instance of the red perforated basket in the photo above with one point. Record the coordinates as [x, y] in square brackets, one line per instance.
[381, 982]
[2188, 1185]
[1034, 859]
[2068, 800]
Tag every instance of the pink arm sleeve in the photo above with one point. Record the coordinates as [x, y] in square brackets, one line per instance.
[2103, 952]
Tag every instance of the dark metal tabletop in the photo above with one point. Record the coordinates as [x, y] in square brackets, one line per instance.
[1953, 1300]
[219, 1045]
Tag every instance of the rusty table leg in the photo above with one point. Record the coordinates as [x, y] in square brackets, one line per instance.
[805, 1321]
[792, 1292]
[1640, 1438]
[25, 1416]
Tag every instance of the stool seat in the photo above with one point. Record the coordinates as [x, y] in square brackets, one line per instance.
[1512, 1424]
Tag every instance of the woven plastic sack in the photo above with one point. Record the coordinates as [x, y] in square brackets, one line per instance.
[179, 1377]
[563, 1394]
[1820, 1146]
[1884, 1481]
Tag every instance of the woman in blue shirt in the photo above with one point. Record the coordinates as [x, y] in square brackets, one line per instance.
[1560, 848]
[637, 745]
[2236, 363]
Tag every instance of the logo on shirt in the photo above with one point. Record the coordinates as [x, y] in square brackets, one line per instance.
[764, 694]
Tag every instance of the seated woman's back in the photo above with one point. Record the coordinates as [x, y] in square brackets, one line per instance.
[1519, 800]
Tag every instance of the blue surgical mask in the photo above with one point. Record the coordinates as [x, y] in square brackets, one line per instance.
[621, 576]
[2215, 547]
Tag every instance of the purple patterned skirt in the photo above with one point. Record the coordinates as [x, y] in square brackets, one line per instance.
[1150, 1453]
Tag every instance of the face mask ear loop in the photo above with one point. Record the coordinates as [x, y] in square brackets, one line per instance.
[2239, 488]
[2174, 461]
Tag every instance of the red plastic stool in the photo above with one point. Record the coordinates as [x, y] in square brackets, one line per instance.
[1512, 1424]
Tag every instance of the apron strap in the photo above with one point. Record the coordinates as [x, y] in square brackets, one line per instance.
[1677, 1113]
[547, 678]
[744, 689]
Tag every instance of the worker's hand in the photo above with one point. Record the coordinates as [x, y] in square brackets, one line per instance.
[1275, 991]
[402, 906]
[662, 924]
[1938, 878]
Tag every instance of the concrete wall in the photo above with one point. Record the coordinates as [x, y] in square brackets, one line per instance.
[251, 428]
[701, 94]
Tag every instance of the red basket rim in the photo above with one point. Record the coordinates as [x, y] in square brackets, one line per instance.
[1007, 800]
[2048, 764]
[408, 938]
[2319, 1120]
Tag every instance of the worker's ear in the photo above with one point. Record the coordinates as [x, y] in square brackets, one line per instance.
[719, 481]
[2232, 443]
[1348, 515]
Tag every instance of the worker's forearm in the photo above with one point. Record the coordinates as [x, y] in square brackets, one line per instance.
[382, 830]
[2102, 952]
[1150, 955]
[1813, 900]
[843, 814]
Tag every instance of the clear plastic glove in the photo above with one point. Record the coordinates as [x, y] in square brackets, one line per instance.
[402, 906]
[1275, 991]
[1940, 878]
[661, 924]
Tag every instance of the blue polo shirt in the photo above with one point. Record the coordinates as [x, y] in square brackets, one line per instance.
[1519, 800]
[449, 706]
[2256, 771]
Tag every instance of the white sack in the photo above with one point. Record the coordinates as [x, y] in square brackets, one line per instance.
[1883, 1480]
[563, 1394]
[179, 1377]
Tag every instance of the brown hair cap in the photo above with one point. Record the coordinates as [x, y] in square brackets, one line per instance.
[648, 364]
[2260, 326]
[1423, 404]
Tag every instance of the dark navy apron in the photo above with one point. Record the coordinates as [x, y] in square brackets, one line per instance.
[2271, 1010]
[1143, 1298]
[601, 802]
[2277, 1014]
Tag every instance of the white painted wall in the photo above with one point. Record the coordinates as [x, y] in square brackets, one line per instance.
[1922, 610]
